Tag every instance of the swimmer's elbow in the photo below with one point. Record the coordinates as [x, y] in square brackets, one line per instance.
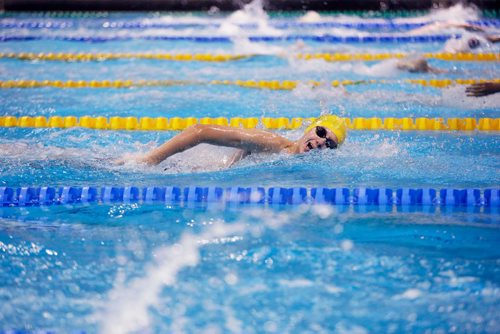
[203, 133]
[198, 132]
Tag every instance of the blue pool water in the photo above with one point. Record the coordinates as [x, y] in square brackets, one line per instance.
[229, 268]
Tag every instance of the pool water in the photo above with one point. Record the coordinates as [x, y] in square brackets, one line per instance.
[245, 268]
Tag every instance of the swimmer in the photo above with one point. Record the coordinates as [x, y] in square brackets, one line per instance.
[417, 65]
[474, 38]
[466, 43]
[469, 42]
[483, 89]
[440, 26]
[327, 131]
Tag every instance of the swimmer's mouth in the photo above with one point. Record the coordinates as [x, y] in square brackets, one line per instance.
[309, 145]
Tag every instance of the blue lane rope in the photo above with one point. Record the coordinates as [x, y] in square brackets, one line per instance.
[220, 39]
[279, 25]
[406, 197]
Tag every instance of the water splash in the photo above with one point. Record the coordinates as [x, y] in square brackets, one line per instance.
[242, 45]
[456, 13]
[310, 17]
[251, 13]
[127, 307]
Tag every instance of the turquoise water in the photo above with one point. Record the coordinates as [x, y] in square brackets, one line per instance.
[245, 268]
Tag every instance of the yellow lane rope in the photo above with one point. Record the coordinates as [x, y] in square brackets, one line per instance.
[262, 84]
[207, 57]
[179, 123]
[112, 56]
[384, 56]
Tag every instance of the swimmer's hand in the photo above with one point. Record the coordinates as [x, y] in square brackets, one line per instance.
[130, 158]
[483, 89]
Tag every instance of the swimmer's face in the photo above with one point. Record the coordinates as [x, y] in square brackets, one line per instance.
[318, 137]
[462, 45]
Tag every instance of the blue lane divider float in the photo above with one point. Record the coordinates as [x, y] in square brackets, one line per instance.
[406, 197]
[324, 38]
[389, 24]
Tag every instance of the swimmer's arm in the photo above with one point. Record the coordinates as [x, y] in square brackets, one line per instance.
[417, 65]
[437, 26]
[251, 140]
[493, 39]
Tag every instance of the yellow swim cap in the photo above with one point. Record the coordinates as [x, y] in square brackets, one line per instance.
[334, 123]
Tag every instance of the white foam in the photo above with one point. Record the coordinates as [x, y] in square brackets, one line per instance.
[253, 14]
[296, 283]
[127, 306]
[203, 157]
[346, 245]
[457, 13]
[410, 294]
[126, 309]
[26, 150]
[310, 17]
[333, 289]
[242, 45]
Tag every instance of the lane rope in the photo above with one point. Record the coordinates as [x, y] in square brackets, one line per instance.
[259, 84]
[110, 25]
[156, 56]
[388, 197]
[491, 13]
[179, 123]
[332, 57]
[324, 38]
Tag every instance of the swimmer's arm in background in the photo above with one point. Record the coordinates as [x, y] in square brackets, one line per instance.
[251, 140]
[493, 39]
[483, 89]
[437, 27]
[417, 65]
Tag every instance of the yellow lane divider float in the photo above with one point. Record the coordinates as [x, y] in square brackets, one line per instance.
[232, 57]
[261, 84]
[384, 56]
[113, 56]
[179, 123]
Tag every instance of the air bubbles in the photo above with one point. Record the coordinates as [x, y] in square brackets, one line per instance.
[50, 252]
[346, 245]
[322, 211]
[338, 228]
[410, 294]
[231, 279]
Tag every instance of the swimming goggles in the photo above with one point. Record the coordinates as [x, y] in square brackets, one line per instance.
[473, 43]
[321, 132]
